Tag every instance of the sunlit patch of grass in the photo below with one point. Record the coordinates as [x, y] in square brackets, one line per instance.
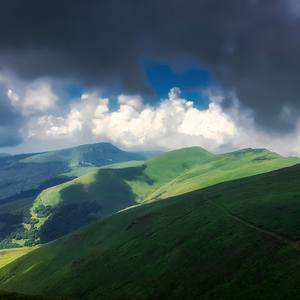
[9, 255]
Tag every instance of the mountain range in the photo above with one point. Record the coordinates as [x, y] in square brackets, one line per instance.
[187, 224]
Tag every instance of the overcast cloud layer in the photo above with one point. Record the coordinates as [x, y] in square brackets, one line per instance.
[252, 46]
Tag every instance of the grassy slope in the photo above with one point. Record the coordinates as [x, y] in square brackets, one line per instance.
[212, 170]
[109, 190]
[235, 240]
[9, 255]
[183, 170]
[115, 188]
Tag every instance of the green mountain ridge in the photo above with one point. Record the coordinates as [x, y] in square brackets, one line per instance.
[103, 192]
[234, 240]
[89, 154]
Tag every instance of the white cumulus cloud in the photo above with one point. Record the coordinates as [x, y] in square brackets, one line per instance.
[76, 123]
[175, 122]
[51, 122]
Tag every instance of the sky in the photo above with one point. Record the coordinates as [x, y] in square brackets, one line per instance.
[150, 75]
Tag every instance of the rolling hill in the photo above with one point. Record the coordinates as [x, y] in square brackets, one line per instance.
[101, 193]
[234, 240]
[23, 177]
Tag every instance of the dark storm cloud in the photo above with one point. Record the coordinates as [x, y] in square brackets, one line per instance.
[10, 122]
[252, 47]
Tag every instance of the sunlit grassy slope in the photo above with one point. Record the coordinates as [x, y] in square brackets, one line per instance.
[9, 255]
[99, 194]
[179, 172]
[235, 240]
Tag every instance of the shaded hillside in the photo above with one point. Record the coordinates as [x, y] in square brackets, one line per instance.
[235, 240]
[14, 296]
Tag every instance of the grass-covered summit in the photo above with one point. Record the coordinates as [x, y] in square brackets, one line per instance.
[103, 192]
[94, 155]
[234, 240]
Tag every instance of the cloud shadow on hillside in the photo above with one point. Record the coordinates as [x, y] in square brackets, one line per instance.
[83, 204]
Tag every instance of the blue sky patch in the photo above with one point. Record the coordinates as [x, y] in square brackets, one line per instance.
[191, 81]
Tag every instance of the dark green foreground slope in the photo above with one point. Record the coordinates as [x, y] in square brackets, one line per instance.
[236, 240]
[13, 296]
